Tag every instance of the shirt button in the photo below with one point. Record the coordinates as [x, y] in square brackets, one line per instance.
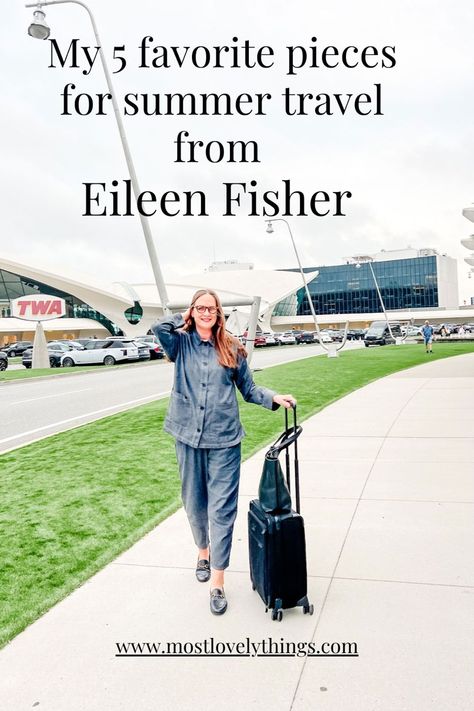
[199, 430]
[202, 407]
[204, 385]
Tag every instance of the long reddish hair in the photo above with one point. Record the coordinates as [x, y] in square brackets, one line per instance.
[228, 347]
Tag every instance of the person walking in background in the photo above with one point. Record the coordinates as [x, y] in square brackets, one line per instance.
[427, 331]
[203, 417]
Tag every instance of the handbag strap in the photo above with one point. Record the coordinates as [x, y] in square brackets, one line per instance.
[286, 439]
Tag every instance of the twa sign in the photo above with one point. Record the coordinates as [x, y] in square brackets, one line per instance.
[38, 307]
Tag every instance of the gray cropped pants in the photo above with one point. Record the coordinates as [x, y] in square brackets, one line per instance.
[209, 490]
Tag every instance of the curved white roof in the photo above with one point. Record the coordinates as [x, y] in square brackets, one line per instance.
[271, 286]
[235, 288]
[70, 285]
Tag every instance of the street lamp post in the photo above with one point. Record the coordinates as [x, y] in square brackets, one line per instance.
[359, 260]
[40, 30]
[331, 351]
[468, 243]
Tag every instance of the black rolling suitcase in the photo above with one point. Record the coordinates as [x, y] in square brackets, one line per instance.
[277, 548]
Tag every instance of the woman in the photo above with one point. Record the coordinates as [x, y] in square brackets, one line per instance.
[203, 417]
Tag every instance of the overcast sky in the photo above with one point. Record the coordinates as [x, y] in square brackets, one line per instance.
[410, 170]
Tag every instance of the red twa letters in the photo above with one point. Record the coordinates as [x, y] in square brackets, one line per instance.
[41, 308]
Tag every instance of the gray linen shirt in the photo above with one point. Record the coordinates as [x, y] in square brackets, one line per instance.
[203, 411]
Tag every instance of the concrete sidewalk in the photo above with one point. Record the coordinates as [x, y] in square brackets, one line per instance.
[387, 477]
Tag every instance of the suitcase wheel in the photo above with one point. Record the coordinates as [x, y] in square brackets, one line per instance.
[277, 615]
[308, 609]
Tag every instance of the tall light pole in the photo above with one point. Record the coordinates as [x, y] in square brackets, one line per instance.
[40, 30]
[468, 243]
[365, 259]
[270, 230]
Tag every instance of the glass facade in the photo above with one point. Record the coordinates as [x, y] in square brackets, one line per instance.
[346, 289]
[134, 314]
[14, 285]
[288, 306]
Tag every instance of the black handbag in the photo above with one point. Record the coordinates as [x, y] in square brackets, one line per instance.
[273, 492]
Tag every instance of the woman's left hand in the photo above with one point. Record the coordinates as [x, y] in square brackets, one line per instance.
[285, 400]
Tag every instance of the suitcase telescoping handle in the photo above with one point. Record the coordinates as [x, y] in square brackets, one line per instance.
[289, 436]
[296, 431]
[284, 441]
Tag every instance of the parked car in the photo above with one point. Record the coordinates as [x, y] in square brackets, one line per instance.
[355, 334]
[457, 327]
[156, 351]
[143, 350]
[306, 337]
[379, 334]
[107, 351]
[412, 331]
[324, 337]
[3, 361]
[55, 354]
[69, 345]
[18, 348]
[260, 340]
[286, 339]
[296, 333]
[69, 342]
[335, 334]
[84, 341]
[270, 339]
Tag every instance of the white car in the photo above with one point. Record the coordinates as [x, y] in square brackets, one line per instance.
[286, 339]
[107, 351]
[270, 339]
[325, 337]
[412, 331]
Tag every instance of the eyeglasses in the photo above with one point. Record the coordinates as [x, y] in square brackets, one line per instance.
[202, 309]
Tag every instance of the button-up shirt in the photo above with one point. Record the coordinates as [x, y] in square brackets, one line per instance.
[203, 410]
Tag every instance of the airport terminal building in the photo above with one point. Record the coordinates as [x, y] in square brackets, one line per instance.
[130, 309]
[414, 284]
[407, 279]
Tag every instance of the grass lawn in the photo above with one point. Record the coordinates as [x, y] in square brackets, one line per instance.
[71, 503]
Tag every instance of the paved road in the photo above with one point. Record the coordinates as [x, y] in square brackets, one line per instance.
[33, 409]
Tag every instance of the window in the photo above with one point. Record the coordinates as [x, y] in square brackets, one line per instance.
[134, 314]
[116, 344]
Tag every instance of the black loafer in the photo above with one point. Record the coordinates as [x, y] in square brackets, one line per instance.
[203, 570]
[218, 601]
